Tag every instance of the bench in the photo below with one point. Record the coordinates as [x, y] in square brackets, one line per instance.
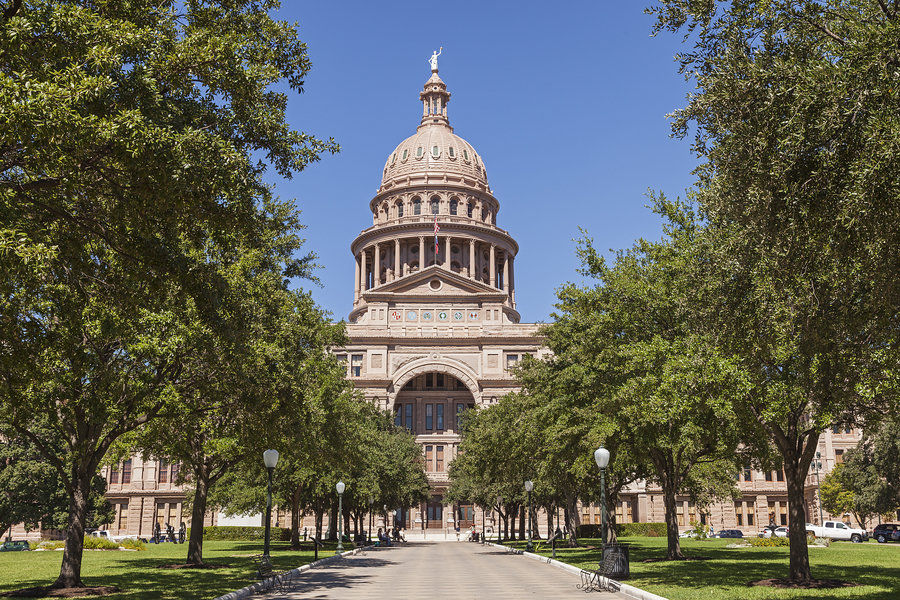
[267, 572]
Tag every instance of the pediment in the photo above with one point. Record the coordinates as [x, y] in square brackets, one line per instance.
[434, 281]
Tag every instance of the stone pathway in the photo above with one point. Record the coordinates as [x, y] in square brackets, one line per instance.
[448, 570]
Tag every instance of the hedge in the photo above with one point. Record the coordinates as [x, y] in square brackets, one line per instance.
[235, 533]
[624, 530]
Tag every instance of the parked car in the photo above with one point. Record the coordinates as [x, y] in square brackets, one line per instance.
[886, 532]
[15, 546]
[767, 531]
[688, 534]
[730, 533]
[838, 530]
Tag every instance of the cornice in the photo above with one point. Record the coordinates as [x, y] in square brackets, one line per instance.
[425, 227]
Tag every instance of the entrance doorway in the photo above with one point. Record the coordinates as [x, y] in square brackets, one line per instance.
[465, 515]
[435, 513]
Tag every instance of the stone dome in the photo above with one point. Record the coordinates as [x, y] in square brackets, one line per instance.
[434, 149]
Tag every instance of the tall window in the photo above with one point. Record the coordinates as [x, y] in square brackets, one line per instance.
[460, 407]
[123, 516]
[126, 471]
[174, 477]
[471, 209]
[429, 416]
[739, 513]
[439, 459]
[838, 456]
[162, 475]
[454, 203]
[435, 205]
[409, 417]
[429, 458]
[114, 474]
[356, 365]
[161, 515]
[417, 206]
[398, 415]
[400, 209]
[440, 417]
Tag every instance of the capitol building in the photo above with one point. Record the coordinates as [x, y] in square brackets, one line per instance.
[433, 331]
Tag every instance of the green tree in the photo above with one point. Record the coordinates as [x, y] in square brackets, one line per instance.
[796, 123]
[132, 140]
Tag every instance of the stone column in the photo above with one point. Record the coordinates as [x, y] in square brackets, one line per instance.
[397, 268]
[421, 252]
[493, 265]
[472, 258]
[405, 250]
[364, 271]
[356, 281]
[512, 285]
[506, 273]
[447, 253]
[377, 266]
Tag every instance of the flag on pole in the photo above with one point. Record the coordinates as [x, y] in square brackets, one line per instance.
[436, 229]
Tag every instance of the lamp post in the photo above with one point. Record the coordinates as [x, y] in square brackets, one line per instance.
[529, 485]
[819, 489]
[601, 456]
[499, 530]
[385, 517]
[371, 501]
[270, 459]
[340, 490]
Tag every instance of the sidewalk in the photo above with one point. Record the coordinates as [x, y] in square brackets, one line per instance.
[449, 570]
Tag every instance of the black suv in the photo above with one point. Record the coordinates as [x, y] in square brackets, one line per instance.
[886, 532]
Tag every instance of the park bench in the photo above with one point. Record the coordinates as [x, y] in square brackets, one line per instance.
[267, 572]
[614, 564]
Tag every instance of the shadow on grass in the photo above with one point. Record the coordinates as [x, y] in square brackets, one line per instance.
[729, 571]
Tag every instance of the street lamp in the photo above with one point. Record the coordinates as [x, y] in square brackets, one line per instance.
[529, 485]
[601, 456]
[270, 459]
[818, 489]
[371, 501]
[340, 490]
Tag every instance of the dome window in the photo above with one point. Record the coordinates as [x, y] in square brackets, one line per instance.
[419, 152]
[435, 151]
[466, 155]
[471, 209]
[399, 209]
[452, 152]
[435, 205]
[394, 158]
[453, 204]
[417, 206]
[405, 154]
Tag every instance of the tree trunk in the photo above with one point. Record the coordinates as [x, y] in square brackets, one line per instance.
[320, 515]
[295, 519]
[673, 551]
[505, 518]
[70, 571]
[611, 501]
[522, 529]
[198, 512]
[571, 511]
[795, 476]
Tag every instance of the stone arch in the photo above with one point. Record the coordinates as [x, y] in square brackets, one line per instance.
[435, 364]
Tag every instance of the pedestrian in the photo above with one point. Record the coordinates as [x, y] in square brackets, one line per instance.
[457, 532]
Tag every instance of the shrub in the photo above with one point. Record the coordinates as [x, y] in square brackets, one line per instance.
[95, 543]
[51, 544]
[770, 542]
[132, 544]
[235, 533]
[641, 529]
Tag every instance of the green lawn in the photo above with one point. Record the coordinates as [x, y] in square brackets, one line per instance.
[876, 567]
[138, 575]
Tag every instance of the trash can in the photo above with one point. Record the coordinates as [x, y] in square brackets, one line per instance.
[616, 561]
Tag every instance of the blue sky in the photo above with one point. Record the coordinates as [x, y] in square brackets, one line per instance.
[565, 101]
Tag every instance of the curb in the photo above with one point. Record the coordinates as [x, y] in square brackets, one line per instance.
[628, 590]
[268, 584]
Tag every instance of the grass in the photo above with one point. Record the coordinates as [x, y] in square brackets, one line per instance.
[138, 573]
[876, 567]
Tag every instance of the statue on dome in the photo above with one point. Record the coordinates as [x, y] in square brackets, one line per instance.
[433, 59]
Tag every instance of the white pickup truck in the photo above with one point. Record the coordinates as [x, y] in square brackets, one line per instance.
[838, 530]
[106, 535]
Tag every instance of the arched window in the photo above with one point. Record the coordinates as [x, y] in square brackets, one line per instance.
[453, 204]
[435, 205]
[419, 152]
[417, 206]
[471, 209]
[435, 151]
[399, 209]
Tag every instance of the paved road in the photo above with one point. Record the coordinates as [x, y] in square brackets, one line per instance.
[447, 570]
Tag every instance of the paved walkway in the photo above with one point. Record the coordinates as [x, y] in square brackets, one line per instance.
[449, 570]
